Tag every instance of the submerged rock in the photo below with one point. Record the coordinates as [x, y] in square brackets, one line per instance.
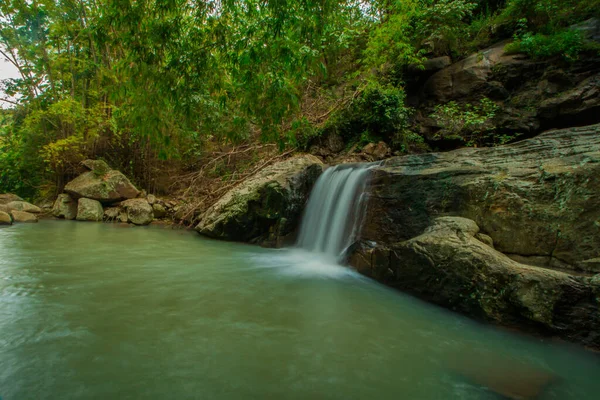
[6, 198]
[24, 206]
[266, 206]
[139, 211]
[65, 207]
[89, 210]
[23, 216]
[5, 218]
[101, 184]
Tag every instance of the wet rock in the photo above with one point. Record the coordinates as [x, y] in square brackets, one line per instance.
[6, 198]
[65, 207]
[5, 218]
[89, 210]
[447, 265]
[24, 206]
[23, 216]
[139, 212]
[251, 212]
[159, 210]
[101, 184]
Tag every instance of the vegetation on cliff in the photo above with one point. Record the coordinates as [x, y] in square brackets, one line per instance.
[179, 86]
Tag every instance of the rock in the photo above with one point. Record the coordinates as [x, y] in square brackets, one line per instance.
[139, 212]
[448, 266]
[468, 76]
[538, 197]
[590, 29]
[24, 206]
[112, 214]
[254, 210]
[107, 186]
[159, 210]
[573, 107]
[23, 216]
[5, 218]
[6, 198]
[378, 151]
[64, 207]
[98, 166]
[5, 208]
[89, 210]
[151, 199]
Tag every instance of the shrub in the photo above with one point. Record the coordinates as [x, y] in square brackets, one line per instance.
[566, 44]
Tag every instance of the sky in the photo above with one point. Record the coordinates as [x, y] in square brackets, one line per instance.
[7, 70]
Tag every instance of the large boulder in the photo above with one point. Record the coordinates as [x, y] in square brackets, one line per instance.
[469, 76]
[89, 210]
[537, 199]
[24, 206]
[65, 207]
[6, 198]
[5, 218]
[267, 206]
[23, 216]
[139, 211]
[449, 266]
[102, 184]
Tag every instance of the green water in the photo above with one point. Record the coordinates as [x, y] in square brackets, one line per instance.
[100, 311]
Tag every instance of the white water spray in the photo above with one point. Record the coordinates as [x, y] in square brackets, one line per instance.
[334, 212]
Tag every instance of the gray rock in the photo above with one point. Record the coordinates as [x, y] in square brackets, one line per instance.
[159, 210]
[6, 198]
[101, 184]
[590, 29]
[537, 197]
[5, 218]
[447, 265]
[139, 212]
[23, 216]
[65, 207]
[89, 210]
[252, 211]
[24, 206]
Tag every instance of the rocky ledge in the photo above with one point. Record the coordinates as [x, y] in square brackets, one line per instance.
[509, 235]
[266, 207]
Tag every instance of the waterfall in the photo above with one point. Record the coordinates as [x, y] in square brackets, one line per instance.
[333, 215]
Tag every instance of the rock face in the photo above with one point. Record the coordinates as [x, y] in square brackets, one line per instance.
[537, 202]
[65, 207]
[23, 216]
[89, 210]
[5, 218]
[6, 198]
[139, 211]
[102, 184]
[266, 206]
[24, 206]
[449, 266]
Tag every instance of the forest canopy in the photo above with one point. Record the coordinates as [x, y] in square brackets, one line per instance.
[138, 81]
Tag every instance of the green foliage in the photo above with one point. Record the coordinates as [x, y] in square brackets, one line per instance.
[379, 113]
[470, 123]
[567, 44]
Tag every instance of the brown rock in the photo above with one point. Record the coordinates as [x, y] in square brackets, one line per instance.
[24, 206]
[23, 216]
[5, 218]
[6, 198]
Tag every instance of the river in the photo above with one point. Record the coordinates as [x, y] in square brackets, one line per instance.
[101, 311]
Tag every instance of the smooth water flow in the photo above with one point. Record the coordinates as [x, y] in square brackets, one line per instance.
[106, 311]
[333, 214]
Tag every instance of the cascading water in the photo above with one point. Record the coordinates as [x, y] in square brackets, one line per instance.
[333, 215]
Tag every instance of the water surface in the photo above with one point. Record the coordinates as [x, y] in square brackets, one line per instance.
[101, 311]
